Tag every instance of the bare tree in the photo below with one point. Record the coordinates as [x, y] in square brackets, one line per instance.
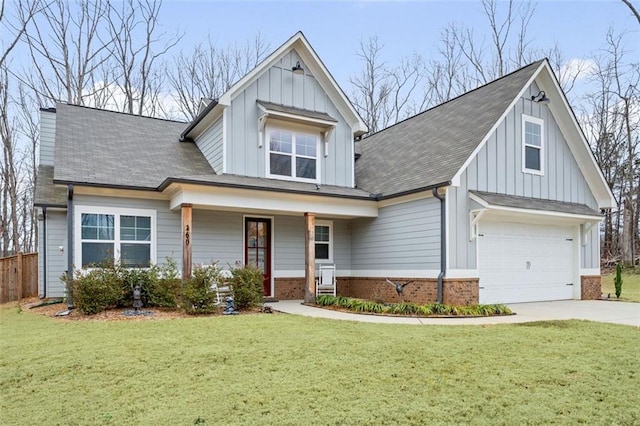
[67, 45]
[208, 71]
[14, 29]
[135, 48]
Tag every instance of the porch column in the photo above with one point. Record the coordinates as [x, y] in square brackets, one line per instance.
[310, 257]
[186, 240]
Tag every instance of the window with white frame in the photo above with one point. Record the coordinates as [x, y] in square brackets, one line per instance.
[324, 241]
[293, 155]
[104, 235]
[532, 145]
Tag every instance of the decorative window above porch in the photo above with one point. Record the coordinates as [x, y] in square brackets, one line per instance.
[292, 155]
[288, 118]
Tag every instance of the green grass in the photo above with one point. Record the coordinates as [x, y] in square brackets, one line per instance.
[282, 369]
[630, 286]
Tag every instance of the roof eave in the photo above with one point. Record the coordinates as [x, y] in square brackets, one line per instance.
[169, 181]
[185, 136]
[380, 197]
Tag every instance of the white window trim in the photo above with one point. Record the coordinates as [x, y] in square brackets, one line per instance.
[117, 212]
[329, 224]
[540, 122]
[292, 129]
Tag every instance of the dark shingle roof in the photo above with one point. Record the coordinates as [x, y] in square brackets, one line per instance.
[108, 148]
[429, 148]
[277, 185]
[48, 194]
[518, 202]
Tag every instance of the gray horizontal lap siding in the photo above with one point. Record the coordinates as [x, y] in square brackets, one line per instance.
[280, 85]
[47, 137]
[498, 168]
[210, 144]
[56, 259]
[289, 243]
[217, 237]
[403, 237]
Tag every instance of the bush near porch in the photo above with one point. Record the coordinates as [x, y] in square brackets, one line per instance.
[284, 369]
[110, 285]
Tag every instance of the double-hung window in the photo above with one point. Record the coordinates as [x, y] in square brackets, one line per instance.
[324, 241]
[104, 235]
[532, 145]
[293, 155]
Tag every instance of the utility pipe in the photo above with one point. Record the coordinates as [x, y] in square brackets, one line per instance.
[443, 243]
[69, 244]
[44, 252]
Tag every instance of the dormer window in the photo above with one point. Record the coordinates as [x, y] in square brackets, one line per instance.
[295, 139]
[293, 154]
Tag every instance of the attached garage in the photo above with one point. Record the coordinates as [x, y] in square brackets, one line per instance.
[520, 262]
[531, 250]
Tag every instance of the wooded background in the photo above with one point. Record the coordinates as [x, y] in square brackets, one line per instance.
[115, 55]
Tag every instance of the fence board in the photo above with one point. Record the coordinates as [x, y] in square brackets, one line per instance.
[18, 277]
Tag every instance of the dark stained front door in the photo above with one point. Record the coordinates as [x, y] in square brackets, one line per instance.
[257, 248]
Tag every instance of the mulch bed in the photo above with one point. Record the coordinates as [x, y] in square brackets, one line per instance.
[31, 305]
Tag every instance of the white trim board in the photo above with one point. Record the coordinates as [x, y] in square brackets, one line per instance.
[589, 271]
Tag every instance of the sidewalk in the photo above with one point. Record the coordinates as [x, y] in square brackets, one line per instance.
[592, 310]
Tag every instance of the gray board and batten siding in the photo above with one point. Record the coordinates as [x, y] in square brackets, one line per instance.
[211, 145]
[403, 237]
[498, 168]
[279, 85]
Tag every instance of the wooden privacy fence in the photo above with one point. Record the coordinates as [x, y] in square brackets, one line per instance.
[18, 277]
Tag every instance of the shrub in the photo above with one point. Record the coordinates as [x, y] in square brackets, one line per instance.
[197, 295]
[326, 300]
[96, 290]
[617, 281]
[248, 291]
[165, 289]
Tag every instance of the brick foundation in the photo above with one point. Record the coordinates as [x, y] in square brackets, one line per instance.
[421, 290]
[590, 287]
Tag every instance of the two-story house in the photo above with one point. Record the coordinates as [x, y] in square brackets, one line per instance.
[493, 196]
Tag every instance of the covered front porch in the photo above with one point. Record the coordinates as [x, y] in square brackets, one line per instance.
[285, 234]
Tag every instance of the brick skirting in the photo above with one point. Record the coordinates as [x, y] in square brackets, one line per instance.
[421, 290]
[590, 287]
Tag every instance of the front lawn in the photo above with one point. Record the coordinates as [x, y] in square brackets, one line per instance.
[284, 369]
[630, 286]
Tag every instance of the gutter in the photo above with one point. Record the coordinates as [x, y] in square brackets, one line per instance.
[69, 244]
[443, 243]
[44, 252]
[184, 136]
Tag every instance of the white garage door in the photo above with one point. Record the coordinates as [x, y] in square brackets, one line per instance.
[519, 262]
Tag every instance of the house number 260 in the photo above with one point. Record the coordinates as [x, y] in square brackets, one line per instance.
[186, 235]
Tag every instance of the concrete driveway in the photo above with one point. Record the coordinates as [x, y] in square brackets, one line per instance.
[592, 310]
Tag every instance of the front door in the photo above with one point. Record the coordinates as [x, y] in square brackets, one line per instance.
[257, 248]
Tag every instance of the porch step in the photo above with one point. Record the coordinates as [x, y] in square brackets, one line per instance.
[269, 300]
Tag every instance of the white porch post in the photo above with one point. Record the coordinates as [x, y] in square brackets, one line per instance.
[310, 257]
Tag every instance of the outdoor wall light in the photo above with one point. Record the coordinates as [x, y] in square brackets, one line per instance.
[298, 70]
[541, 98]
